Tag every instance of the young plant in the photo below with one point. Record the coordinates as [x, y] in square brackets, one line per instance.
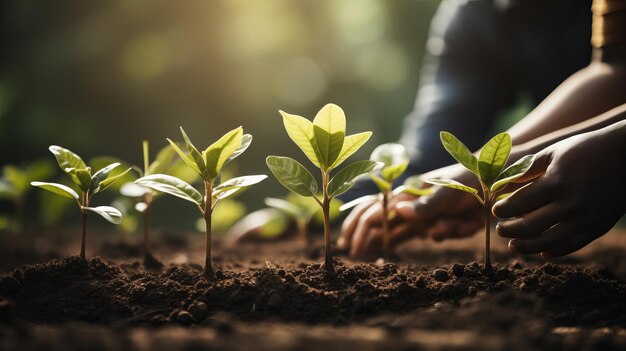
[302, 210]
[208, 165]
[89, 184]
[396, 160]
[490, 172]
[325, 144]
[164, 163]
[14, 186]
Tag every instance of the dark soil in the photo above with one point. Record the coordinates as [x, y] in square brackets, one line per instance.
[291, 303]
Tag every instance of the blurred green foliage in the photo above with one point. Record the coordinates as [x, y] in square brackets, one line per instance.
[122, 71]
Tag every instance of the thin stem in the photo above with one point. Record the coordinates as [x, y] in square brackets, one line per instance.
[487, 211]
[328, 260]
[84, 212]
[208, 199]
[385, 220]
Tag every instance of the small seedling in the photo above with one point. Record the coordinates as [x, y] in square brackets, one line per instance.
[302, 210]
[490, 171]
[164, 163]
[396, 160]
[14, 186]
[325, 144]
[89, 184]
[208, 165]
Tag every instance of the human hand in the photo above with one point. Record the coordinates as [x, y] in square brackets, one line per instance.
[577, 196]
[444, 214]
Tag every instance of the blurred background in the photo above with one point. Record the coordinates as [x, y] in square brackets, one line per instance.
[99, 77]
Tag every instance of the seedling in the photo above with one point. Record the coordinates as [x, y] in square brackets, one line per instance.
[89, 184]
[208, 165]
[302, 210]
[396, 160]
[490, 172]
[325, 144]
[14, 186]
[163, 163]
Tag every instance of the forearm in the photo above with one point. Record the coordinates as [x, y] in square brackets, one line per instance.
[590, 92]
[608, 118]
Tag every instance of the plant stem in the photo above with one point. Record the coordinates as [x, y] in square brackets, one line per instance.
[208, 199]
[385, 219]
[328, 260]
[82, 243]
[487, 208]
[85, 203]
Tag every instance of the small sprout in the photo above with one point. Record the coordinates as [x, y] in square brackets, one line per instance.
[490, 172]
[208, 165]
[303, 210]
[325, 144]
[165, 162]
[14, 186]
[89, 183]
[396, 160]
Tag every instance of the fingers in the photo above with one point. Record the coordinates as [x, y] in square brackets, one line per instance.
[558, 239]
[533, 223]
[349, 225]
[526, 199]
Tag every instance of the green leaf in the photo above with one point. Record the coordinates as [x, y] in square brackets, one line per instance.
[246, 140]
[301, 131]
[109, 213]
[163, 161]
[190, 162]
[195, 154]
[409, 189]
[513, 172]
[285, 206]
[345, 178]
[236, 184]
[503, 196]
[66, 158]
[329, 127]
[382, 184]
[100, 176]
[217, 154]
[80, 177]
[459, 151]
[351, 144]
[453, 184]
[171, 185]
[110, 180]
[133, 190]
[395, 158]
[58, 189]
[358, 201]
[292, 175]
[493, 157]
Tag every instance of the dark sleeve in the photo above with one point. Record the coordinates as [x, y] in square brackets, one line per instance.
[466, 82]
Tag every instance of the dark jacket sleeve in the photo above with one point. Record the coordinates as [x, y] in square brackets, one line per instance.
[466, 82]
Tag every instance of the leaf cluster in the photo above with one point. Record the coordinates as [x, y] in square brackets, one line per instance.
[89, 182]
[489, 166]
[325, 144]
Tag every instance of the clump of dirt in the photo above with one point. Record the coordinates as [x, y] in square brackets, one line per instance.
[96, 291]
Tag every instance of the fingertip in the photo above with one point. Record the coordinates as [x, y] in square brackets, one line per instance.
[512, 247]
[341, 243]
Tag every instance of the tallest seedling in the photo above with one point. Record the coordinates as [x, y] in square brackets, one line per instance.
[325, 144]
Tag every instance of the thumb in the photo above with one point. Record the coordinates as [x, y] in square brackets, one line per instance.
[538, 168]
